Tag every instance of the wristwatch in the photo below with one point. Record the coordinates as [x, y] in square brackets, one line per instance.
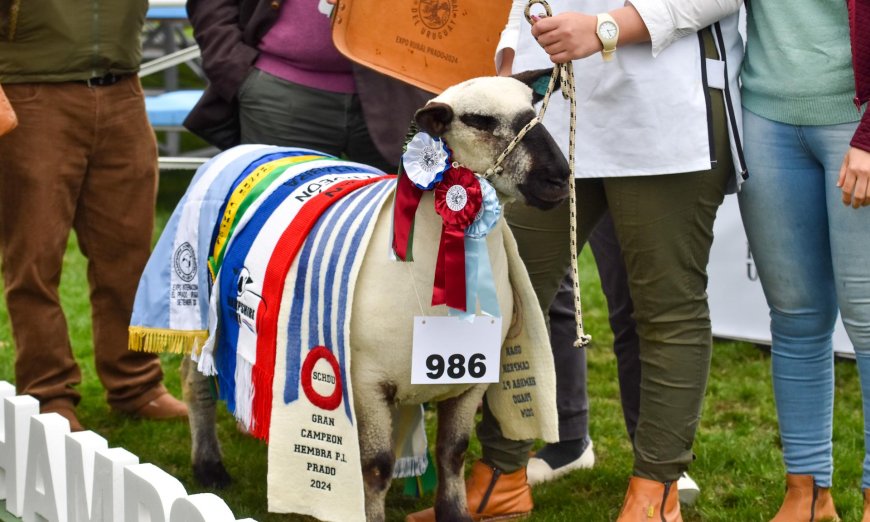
[608, 33]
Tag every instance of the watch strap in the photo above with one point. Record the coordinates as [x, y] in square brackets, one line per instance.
[608, 43]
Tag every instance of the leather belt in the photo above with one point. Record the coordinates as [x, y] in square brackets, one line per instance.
[105, 80]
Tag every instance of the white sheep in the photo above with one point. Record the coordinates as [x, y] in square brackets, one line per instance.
[477, 119]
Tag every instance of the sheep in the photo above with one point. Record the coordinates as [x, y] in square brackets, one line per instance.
[477, 119]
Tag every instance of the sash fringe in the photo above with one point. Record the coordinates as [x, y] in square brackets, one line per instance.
[160, 340]
[205, 361]
[261, 407]
[244, 392]
[410, 466]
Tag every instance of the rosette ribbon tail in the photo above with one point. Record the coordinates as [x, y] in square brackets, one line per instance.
[483, 290]
[449, 285]
[404, 209]
[480, 283]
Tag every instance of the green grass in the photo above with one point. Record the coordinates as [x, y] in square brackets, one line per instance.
[738, 459]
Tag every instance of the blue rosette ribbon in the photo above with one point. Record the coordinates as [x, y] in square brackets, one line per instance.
[479, 281]
[425, 159]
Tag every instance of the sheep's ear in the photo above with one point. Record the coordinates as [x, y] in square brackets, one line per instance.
[434, 118]
[538, 80]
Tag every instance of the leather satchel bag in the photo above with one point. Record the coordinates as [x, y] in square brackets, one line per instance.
[432, 44]
[8, 121]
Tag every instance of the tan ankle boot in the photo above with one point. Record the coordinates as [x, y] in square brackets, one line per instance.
[866, 517]
[806, 502]
[492, 495]
[650, 501]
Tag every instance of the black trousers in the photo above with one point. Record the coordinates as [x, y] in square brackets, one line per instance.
[571, 396]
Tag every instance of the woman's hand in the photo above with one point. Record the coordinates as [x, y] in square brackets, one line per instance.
[571, 36]
[567, 36]
[855, 178]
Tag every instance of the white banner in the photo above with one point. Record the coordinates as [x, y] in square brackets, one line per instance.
[737, 305]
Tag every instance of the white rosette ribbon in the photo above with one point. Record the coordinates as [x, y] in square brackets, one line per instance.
[425, 160]
[479, 282]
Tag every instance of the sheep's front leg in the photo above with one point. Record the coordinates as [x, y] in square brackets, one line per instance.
[205, 451]
[455, 420]
[375, 428]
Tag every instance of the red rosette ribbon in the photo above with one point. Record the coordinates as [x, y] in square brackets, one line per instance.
[404, 209]
[458, 199]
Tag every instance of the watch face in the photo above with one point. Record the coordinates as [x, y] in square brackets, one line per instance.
[607, 30]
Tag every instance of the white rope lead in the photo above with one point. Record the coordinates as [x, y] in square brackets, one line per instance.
[565, 74]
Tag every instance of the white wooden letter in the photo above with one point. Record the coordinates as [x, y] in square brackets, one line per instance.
[204, 507]
[107, 502]
[13, 448]
[149, 493]
[45, 483]
[6, 390]
[81, 448]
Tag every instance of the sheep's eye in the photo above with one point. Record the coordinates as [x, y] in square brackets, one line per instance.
[479, 121]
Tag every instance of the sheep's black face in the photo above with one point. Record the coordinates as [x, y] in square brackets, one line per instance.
[479, 118]
[547, 171]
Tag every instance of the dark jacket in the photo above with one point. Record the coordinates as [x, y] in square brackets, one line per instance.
[228, 32]
[859, 22]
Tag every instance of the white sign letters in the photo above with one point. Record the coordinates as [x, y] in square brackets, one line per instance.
[48, 474]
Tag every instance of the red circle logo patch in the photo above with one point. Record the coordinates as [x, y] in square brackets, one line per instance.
[326, 402]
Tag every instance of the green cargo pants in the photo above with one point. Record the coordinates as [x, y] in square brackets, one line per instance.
[665, 228]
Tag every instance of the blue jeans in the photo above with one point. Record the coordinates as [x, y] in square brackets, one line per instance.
[813, 258]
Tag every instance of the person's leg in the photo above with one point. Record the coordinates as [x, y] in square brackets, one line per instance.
[42, 165]
[785, 215]
[626, 346]
[360, 146]
[274, 111]
[665, 228]
[543, 244]
[850, 256]
[571, 398]
[666, 260]
[114, 223]
[574, 448]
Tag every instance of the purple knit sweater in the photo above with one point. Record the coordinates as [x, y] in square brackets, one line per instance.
[299, 49]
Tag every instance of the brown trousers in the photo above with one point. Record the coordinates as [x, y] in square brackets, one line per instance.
[82, 158]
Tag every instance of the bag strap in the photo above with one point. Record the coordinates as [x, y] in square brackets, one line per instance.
[8, 120]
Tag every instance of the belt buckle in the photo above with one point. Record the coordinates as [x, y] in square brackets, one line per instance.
[102, 81]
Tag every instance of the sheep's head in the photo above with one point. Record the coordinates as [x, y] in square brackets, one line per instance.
[478, 119]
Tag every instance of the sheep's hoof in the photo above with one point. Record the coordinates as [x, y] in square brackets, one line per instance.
[212, 475]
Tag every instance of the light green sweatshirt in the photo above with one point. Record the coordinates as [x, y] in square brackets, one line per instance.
[798, 65]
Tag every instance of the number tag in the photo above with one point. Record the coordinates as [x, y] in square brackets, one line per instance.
[451, 350]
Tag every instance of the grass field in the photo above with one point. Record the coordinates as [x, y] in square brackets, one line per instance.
[738, 462]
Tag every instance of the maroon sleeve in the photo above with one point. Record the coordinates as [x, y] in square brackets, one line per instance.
[861, 139]
[226, 59]
[859, 21]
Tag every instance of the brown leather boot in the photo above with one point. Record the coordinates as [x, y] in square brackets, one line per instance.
[492, 495]
[163, 407]
[651, 501]
[806, 502]
[866, 517]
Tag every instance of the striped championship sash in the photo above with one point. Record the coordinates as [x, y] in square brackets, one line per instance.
[243, 297]
[313, 437]
[170, 312]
